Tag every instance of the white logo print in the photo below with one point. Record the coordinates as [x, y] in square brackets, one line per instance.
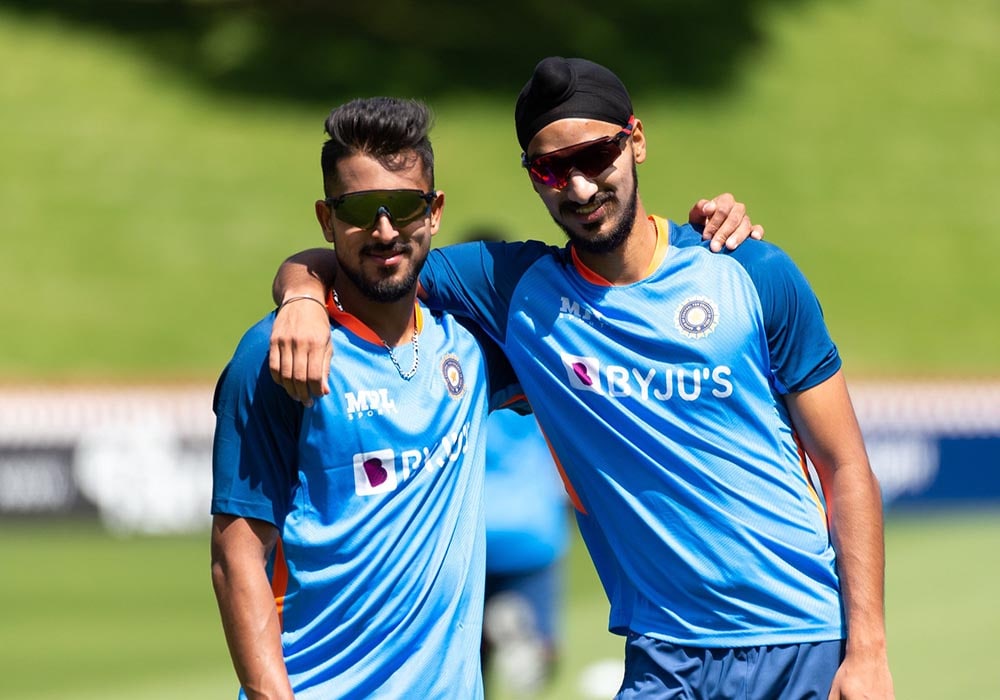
[697, 317]
[374, 472]
[574, 308]
[369, 402]
[661, 383]
[382, 471]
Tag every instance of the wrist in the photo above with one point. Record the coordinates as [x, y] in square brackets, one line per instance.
[313, 289]
[291, 298]
[871, 644]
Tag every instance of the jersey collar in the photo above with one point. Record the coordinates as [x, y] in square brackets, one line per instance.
[358, 328]
[662, 227]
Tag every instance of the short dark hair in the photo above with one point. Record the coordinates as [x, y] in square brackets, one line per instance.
[391, 130]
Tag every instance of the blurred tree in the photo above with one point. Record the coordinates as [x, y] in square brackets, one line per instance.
[313, 49]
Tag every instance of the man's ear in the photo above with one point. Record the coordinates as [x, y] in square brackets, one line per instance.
[325, 218]
[437, 207]
[638, 142]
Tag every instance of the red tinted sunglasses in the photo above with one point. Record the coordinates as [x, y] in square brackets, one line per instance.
[590, 157]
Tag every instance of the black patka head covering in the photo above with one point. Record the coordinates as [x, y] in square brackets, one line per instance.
[564, 88]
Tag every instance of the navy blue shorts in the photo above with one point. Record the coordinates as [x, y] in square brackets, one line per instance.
[665, 671]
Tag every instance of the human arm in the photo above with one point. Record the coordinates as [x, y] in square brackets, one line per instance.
[310, 272]
[300, 352]
[240, 548]
[827, 427]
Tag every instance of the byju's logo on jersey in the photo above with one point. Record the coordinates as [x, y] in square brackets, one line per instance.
[381, 471]
[368, 402]
[374, 472]
[584, 373]
[687, 383]
[697, 317]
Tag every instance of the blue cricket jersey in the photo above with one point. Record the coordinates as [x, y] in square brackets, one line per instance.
[662, 401]
[377, 492]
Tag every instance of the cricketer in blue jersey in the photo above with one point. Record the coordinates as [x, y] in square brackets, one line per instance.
[681, 392]
[348, 539]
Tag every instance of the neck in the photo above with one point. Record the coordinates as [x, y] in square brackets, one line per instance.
[393, 321]
[630, 261]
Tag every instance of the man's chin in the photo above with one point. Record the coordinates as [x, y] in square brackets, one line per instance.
[605, 235]
[594, 241]
[388, 292]
[384, 289]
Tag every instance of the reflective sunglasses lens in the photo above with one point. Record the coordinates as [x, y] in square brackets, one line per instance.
[356, 209]
[407, 207]
[543, 175]
[590, 159]
[596, 159]
[361, 209]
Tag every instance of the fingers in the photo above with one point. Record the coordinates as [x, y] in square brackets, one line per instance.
[324, 370]
[300, 351]
[289, 367]
[714, 216]
[726, 222]
[701, 211]
[729, 225]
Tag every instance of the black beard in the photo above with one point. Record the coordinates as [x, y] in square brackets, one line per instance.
[617, 236]
[384, 290]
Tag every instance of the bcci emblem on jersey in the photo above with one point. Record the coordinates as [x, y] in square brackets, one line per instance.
[697, 317]
[454, 378]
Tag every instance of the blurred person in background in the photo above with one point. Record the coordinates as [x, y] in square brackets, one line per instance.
[527, 536]
[526, 543]
[681, 393]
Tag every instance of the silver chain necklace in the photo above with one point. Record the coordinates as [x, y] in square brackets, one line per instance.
[392, 354]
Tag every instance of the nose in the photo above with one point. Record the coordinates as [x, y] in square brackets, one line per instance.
[384, 229]
[579, 188]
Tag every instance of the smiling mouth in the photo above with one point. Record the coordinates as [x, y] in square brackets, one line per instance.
[386, 256]
[586, 210]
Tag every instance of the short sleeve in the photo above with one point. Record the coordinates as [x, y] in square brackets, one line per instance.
[802, 353]
[255, 451]
[477, 280]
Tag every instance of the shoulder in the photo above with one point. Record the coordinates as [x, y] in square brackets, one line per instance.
[770, 268]
[760, 254]
[254, 345]
[750, 253]
[243, 373]
[515, 253]
[255, 342]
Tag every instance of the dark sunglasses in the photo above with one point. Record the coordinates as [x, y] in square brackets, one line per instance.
[363, 208]
[591, 158]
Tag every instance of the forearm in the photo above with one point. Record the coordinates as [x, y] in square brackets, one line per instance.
[308, 272]
[252, 629]
[240, 548]
[856, 526]
[825, 422]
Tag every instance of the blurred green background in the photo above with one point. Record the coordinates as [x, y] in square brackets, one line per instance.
[159, 159]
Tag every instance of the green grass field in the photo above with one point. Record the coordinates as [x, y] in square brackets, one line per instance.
[143, 218]
[90, 616]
